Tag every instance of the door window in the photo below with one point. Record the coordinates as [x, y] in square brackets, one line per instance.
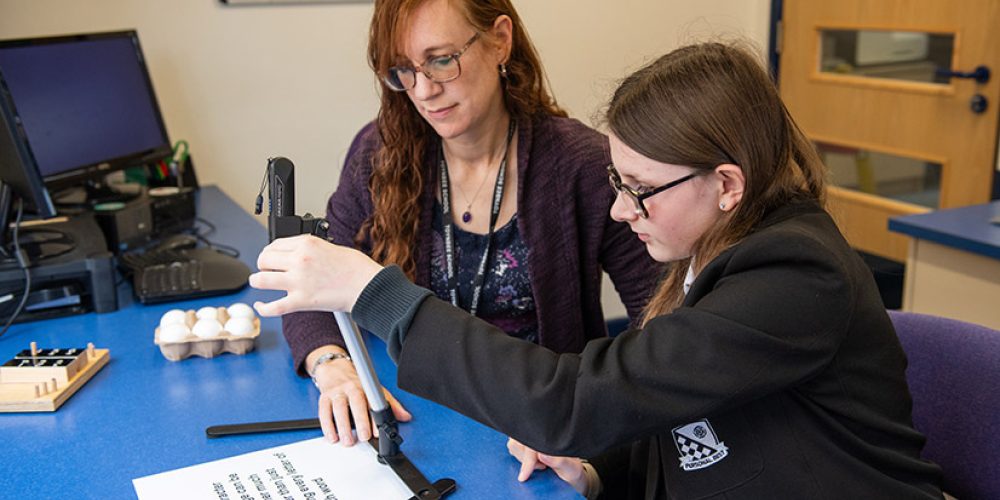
[900, 178]
[898, 55]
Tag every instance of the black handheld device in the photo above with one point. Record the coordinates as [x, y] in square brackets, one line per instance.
[281, 219]
[282, 222]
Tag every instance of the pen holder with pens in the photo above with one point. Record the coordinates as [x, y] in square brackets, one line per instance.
[175, 171]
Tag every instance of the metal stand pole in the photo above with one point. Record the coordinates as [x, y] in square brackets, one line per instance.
[389, 440]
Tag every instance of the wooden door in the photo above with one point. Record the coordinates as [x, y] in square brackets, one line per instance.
[862, 79]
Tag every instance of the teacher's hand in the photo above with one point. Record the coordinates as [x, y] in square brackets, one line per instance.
[317, 275]
[342, 398]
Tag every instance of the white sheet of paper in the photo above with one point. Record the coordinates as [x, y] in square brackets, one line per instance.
[307, 470]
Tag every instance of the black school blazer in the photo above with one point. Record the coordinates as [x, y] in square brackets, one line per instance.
[780, 377]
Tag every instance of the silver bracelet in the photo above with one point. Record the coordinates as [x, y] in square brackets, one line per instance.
[330, 356]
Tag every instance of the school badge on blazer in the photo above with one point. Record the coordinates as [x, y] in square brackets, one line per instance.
[698, 445]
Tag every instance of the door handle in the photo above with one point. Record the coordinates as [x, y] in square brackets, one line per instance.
[981, 74]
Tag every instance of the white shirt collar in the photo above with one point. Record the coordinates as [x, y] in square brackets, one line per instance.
[689, 279]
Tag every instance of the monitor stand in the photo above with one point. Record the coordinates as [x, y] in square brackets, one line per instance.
[42, 243]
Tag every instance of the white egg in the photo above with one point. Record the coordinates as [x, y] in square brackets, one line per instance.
[240, 310]
[207, 328]
[172, 317]
[207, 313]
[239, 326]
[174, 332]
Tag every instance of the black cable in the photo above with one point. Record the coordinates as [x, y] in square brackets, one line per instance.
[202, 237]
[258, 204]
[22, 261]
[211, 227]
[121, 281]
[172, 224]
[219, 247]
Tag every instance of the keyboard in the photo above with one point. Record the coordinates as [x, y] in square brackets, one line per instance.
[169, 275]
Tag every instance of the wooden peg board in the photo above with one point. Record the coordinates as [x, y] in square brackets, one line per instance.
[43, 379]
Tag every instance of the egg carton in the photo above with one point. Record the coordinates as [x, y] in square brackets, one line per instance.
[211, 347]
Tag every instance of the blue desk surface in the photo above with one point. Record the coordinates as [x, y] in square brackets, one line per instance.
[965, 228]
[142, 414]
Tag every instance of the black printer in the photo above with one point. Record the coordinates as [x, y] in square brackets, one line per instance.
[72, 271]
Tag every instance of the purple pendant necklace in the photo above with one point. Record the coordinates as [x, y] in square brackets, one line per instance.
[467, 214]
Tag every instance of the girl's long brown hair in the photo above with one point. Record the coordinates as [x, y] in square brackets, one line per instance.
[397, 179]
[705, 105]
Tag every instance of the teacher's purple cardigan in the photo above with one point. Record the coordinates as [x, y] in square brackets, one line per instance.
[563, 199]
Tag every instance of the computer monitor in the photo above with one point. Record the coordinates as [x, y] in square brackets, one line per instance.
[21, 186]
[18, 169]
[23, 194]
[86, 105]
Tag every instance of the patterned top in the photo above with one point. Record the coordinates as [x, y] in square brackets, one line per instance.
[506, 301]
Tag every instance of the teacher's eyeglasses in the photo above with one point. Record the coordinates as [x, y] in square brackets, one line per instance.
[636, 198]
[438, 69]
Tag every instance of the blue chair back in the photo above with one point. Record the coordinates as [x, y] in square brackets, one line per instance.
[616, 326]
[954, 377]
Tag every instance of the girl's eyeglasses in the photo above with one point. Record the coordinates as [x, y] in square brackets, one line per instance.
[635, 197]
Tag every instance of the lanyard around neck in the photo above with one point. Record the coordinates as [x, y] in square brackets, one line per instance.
[449, 237]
